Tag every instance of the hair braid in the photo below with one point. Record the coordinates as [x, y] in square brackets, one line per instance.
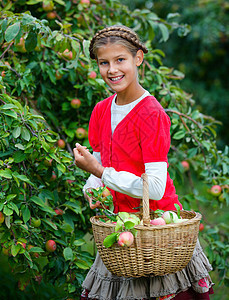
[122, 32]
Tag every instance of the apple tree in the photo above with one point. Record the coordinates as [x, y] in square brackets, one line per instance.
[48, 88]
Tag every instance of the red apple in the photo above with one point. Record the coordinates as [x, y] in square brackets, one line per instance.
[185, 165]
[67, 54]
[59, 211]
[34, 254]
[22, 244]
[47, 6]
[201, 227]
[158, 221]
[92, 75]
[58, 75]
[21, 45]
[3, 74]
[81, 133]
[75, 103]
[2, 217]
[61, 143]
[53, 177]
[85, 2]
[106, 193]
[51, 15]
[125, 239]
[50, 246]
[48, 163]
[216, 190]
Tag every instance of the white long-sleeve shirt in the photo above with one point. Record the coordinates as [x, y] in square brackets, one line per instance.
[126, 182]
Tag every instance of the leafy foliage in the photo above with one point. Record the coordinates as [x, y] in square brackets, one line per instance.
[45, 63]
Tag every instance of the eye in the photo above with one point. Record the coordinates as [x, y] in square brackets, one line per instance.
[120, 59]
[103, 63]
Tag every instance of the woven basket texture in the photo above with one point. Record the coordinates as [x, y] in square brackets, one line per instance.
[156, 251]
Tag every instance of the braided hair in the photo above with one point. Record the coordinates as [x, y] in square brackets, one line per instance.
[116, 34]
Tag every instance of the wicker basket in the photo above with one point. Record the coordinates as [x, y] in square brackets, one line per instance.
[157, 250]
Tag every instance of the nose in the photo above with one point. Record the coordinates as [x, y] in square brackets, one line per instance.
[112, 68]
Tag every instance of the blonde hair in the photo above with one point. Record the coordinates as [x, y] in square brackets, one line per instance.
[117, 34]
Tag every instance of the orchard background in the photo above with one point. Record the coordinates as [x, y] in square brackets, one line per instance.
[48, 88]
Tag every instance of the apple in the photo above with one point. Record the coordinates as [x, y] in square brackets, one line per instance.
[61, 143]
[53, 177]
[125, 238]
[34, 254]
[2, 217]
[92, 75]
[81, 133]
[106, 193]
[21, 45]
[36, 222]
[6, 251]
[48, 163]
[51, 15]
[3, 74]
[47, 6]
[50, 246]
[201, 227]
[59, 211]
[158, 221]
[180, 220]
[216, 190]
[22, 244]
[87, 2]
[169, 217]
[67, 54]
[185, 165]
[58, 75]
[22, 284]
[75, 103]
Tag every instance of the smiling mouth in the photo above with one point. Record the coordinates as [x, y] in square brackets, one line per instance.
[116, 79]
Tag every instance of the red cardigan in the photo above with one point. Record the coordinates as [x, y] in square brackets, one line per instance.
[143, 136]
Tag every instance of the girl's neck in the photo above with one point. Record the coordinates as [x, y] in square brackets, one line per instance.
[127, 97]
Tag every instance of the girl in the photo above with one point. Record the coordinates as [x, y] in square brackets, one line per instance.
[129, 133]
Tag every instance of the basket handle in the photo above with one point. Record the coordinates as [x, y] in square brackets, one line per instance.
[145, 200]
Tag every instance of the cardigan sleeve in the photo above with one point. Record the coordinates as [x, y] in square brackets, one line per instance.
[93, 131]
[155, 137]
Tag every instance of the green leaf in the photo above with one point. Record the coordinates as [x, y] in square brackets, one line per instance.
[50, 223]
[79, 242]
[61, 168]
[82, 264]
[25, 214]
[31, 41]
[68, 254]
[25, 134]
[7, 211]
[110, 239]
[164, 32]
[60, 2]
[16, 132]
[11, 113]
[7, 173]
[19, 156]
[14, 207]
[129, 224]
[179, 135]
[20, 146]
[178, 210]
[15, 249]
[37, 200]
[12, 31]
[36, 249]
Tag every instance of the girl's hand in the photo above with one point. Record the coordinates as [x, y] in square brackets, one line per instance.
[89, 199]
[86, 161]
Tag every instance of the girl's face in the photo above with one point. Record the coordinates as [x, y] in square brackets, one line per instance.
[118, 67]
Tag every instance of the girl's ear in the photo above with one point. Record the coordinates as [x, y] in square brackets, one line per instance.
[139, 58]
